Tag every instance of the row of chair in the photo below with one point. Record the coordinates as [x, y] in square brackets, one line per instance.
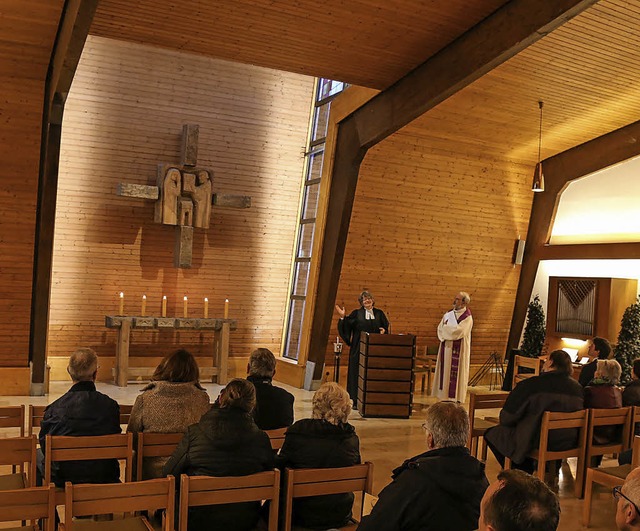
[90, 500]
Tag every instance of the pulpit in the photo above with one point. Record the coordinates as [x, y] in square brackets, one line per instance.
[385, 376]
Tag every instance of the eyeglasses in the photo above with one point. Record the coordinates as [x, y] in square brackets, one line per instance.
[617, 493]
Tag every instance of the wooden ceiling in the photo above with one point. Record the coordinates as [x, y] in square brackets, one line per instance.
[371, 43]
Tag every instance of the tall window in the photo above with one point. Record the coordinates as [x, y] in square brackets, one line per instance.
[326, 91]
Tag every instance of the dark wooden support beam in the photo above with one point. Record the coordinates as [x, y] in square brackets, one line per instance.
[559, 171]
[493, 41]
[73, 29]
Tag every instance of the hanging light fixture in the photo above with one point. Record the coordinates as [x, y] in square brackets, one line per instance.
[538, 176]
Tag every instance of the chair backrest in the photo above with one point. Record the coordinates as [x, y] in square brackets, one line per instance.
[155, 445]
[12, 417]
[556, 420]
[89, 500]
[29, 504]
[524, 362]
[620, 416]
[125, 414]
[635, 419]
[478, 401]
[206, 490]
[303, 482]
[64, 448]
[34, 418]
[635, 453]
[20, 451]
[276, 437]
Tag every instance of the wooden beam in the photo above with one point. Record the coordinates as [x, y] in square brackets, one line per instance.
[73, 29]
[493, 41]
[559, 171]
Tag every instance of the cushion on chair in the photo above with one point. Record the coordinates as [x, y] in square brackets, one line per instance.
[12, 481]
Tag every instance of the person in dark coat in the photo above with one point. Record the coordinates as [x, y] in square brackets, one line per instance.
[364, 319]
[439, 490]
[274, 405]
[226, 442]
[599, 348]
[519, 429]
[326, 440]
[82, 411]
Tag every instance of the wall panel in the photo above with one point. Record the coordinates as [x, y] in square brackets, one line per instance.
[124, 116]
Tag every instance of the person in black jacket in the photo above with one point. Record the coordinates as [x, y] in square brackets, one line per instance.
[274, 405]
[519, 429]
[439, 490]
[82, 411]
[599, 347]
[326, 440]
[226, 442]
[364, 319]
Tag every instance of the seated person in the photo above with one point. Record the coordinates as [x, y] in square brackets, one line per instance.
[169, 404]
[519, 501]
[226, 442]
[627, 502]
[439, 490]
[274, 405]
[631, 393]
[82, 411]
[326, 440]
[519, 429]
[603, 393]
[599, 348]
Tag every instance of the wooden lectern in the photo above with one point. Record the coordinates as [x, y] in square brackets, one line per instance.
[385, 375]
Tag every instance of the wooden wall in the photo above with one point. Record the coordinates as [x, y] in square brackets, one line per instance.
[27, 34]
[124, 116]
[432, 217]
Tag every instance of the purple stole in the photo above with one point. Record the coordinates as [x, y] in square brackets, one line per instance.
[455, 359]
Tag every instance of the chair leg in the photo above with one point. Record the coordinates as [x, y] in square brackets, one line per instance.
[588, 491]
[542, 465]
[507, 463]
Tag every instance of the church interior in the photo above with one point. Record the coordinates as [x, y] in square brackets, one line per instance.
[340, 146]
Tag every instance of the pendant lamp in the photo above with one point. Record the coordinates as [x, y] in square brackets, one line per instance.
[538, 176]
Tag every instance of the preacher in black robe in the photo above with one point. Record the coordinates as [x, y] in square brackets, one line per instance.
[364, 319]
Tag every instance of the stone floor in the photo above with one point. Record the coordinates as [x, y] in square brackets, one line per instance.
[387, 442]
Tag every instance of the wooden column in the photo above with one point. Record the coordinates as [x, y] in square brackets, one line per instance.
[122, 353]
[222, 353]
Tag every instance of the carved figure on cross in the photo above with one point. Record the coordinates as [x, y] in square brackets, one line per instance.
[184, 196]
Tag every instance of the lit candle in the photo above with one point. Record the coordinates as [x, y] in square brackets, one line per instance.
[121, 304]
[164, 306]
[143, 311]
[226, 308]
[185, 307]
[206, 308]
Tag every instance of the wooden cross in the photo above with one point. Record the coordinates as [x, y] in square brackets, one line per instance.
[183, 196]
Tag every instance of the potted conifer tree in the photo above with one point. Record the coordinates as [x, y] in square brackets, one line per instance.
[534, 330]
[628, 347]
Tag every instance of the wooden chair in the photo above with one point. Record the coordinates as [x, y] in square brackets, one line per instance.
[34, 418]
[609, 477]
[425, 366]
[196, 491]
[635, 420]
[155, 445]
[12, 417]
[303, 482]
[117, 498]
[29, 504]
[523, 362]
[18, 452]
[478, 401]
[558, 421]
[276, 437]
[616, 417]
[125, 414]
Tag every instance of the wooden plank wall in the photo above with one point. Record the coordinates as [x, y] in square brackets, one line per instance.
[27, 35]
[124, 116]
[433, 217]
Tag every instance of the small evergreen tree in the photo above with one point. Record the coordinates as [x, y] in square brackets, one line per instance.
[628, 347]
[534, 330]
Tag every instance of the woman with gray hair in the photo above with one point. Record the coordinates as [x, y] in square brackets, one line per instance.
[364, 319]
[603, 393]
[326, 440]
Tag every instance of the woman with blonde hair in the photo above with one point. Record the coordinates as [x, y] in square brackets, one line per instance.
[326, 440]
[603, 393]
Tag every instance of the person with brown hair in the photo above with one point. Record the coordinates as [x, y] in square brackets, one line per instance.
[169, 404]
[226, 442]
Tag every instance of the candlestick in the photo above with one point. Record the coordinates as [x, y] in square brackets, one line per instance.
[164, 306]
[121, 304]
[226, 308]
[206, 308]
[185, 307]
[143, 310]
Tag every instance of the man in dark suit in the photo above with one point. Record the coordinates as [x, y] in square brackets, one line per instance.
[274, 405]
[599, 347]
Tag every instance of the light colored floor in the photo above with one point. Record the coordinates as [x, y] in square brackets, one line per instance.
[385, 442]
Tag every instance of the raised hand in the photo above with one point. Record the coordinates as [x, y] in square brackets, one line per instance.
[341, 311]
